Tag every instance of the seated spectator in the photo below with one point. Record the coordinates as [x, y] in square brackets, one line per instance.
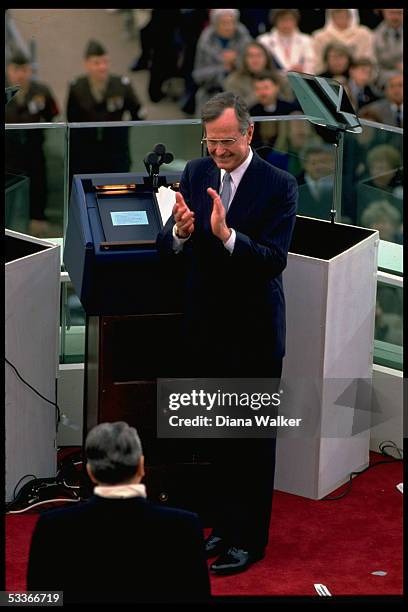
[388, 44]
[384, 178]
[388, 315]
[218, 49]
[337, 60]
[384, 167]
[384, 217]
[290, 49]
[267, 93]
[316, 181]
[341, 30]
[360, 83]
[255, 60]
[390, 108]
[33, 103]
[297, 135]
[117, 546]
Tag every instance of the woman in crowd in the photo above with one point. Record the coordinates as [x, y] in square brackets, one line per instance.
[218, 49]
[289, 47]
[336, 61]
[255, 60]
[341, 28]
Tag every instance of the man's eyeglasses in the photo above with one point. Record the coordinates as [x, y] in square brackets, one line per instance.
[224, 142]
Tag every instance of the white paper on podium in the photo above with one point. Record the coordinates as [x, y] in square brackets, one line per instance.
[166, 199]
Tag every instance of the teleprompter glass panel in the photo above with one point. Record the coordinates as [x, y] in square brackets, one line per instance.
[388, 350]
[324, 102]
[36, 153]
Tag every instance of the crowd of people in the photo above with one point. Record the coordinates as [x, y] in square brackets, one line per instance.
[247, 52]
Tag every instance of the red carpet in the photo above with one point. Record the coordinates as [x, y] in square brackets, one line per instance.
[336, 543]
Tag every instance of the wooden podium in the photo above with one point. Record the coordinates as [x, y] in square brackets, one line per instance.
[124, 357]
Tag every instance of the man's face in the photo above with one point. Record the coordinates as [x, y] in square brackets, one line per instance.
[226, 26]
[19, 75]
[97, 67]
[227, 126]
[266, 91]
[317, 165]
[361, 75]
[393, 17]
[395, 89]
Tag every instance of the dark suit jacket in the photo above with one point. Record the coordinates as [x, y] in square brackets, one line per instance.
[234, 304]
[309, 205]
[119, 550]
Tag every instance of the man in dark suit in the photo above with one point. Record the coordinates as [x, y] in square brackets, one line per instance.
[360, 83]
[316, 181]
[33, 103]
[232, 224]
[390, 108]
[117, 546]
[101, 96]
[267, 88]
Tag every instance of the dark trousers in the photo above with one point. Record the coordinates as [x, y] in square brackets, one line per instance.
[243, 478]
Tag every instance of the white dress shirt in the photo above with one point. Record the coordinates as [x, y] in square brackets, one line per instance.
[236, 176]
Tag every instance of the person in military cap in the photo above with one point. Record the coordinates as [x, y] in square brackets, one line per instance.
[100, 96]
[33, 103]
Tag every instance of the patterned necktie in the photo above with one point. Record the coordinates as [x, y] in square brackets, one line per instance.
[226, 190]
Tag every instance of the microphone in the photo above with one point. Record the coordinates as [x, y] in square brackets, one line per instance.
[168, 158]
[160, 149]
[152, 159]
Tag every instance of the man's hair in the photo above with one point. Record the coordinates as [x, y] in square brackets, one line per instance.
[113, 452]
[19, 59]
[267, 75]
[315, 148]
[94, 48]
[221, 101]
[361, 61]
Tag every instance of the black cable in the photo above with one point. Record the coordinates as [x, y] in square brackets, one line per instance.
[35, 390]
[390, 444]
[22, 478]
[25, 490]
[381, 447]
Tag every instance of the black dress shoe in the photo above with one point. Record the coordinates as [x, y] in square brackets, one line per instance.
[214, 546]
[234, 560]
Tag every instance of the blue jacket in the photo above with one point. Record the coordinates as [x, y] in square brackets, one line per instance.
[117, 550]
[234, 303]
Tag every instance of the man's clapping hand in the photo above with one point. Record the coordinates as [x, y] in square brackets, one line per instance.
[218, 224]
[183, 217]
